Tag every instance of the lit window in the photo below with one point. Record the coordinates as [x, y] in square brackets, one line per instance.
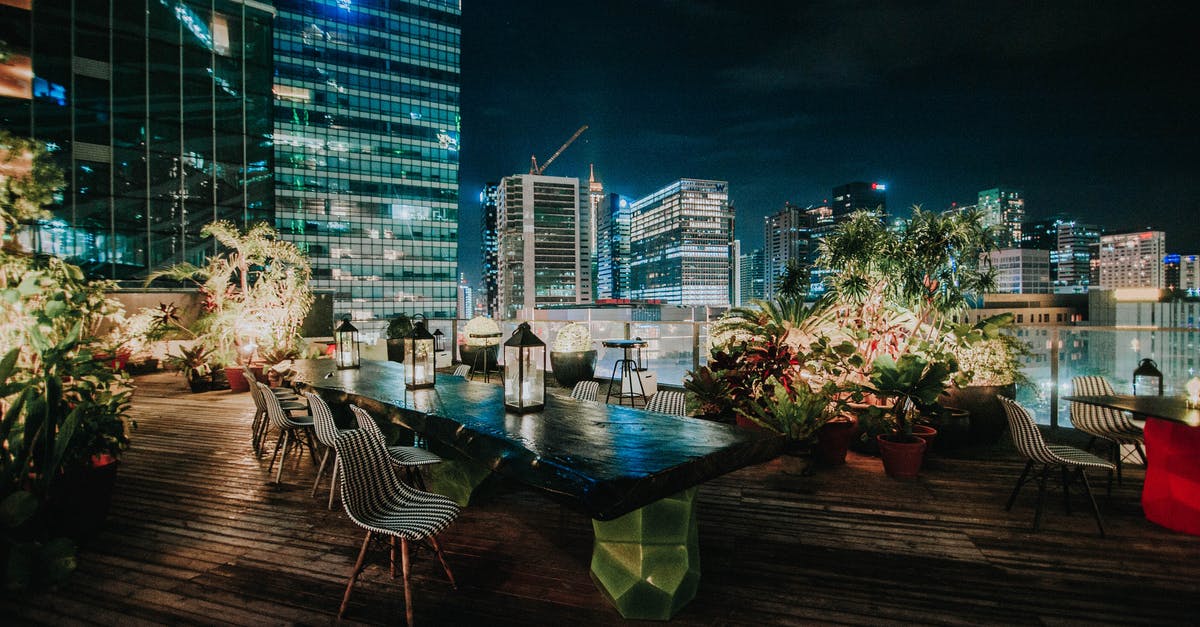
[220, 34]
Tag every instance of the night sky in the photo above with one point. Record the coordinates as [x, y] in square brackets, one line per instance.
[1090, 107]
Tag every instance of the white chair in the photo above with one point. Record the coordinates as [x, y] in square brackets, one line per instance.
[668, 402]
[463, 370]
[1111, 425]
[585, 391]
[293, 430]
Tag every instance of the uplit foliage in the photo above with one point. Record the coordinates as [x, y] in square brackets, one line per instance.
[28, 181]
[482, 331]
[573, 337]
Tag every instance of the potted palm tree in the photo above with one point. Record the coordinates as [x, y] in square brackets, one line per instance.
[573, 356]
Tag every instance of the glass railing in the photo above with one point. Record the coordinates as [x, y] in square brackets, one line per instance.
[674, 348]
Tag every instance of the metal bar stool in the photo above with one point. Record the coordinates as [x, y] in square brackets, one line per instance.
[628, 369]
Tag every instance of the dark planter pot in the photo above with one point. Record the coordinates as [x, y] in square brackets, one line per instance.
[218, 380]
[395, 350]
[901, 459]
[833, 440]
[954, 429]
[198, 384]
[987, 414]
[746, 423]
[571, 367]
[82, 498]
[237, 380]
[927, 433]
[487, 361]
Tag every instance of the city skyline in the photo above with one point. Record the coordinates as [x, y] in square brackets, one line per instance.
[1079, 107]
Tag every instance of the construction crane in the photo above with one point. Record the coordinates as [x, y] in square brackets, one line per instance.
[533, 164]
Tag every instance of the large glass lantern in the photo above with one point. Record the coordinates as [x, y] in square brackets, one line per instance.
[524, 371]
[345, 350]
[421, 372]
[439, 340]
[1147, 379]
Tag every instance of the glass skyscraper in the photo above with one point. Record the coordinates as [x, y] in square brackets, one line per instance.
[366, 147]
[158, 111]
[488, 243]
[612, 219]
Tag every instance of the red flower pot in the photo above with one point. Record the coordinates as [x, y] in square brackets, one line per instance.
[901, 459]
[237, 380]
[927, 433]
[833, 439]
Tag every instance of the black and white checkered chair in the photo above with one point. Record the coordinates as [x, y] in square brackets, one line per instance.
[463, 370]
[668, 402]
[293, 429]
[326, 430]
[1110, 425]
[380, 503]
[585, 391]
[410, 458]
[1029, 442]
[262, 423]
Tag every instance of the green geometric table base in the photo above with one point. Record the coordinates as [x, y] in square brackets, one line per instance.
[455, 478]
[647, 562]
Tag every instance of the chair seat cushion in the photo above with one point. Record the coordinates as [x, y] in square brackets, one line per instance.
[412, 456]
[1075, 457]
[423, 515]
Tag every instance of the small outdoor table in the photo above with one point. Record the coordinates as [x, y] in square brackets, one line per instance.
[634, 472]
[1171, 492]
[628, 369]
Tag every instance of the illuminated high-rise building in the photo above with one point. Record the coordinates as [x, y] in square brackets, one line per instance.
[753, 277]
[466, 298]
[159, 115]
[786, 236]
[1021, 270]
[1132, 260]
[1073, 257]
[681, 243]
[488, 244]
[859, 196]
[366, 144]
[612, 247]
[1003, 210]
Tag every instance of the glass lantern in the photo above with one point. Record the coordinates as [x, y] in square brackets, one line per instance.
[1147, 379]
[421, 372]
[524, 371]
[345, 351]
[439, 340]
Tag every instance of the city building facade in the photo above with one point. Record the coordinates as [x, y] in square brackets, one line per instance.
[1076, 247]
[681, 240]
[159, 115]
[786, 240]
[366, 148]
[859, 196]
[488, 242]
[613, 215]
[1132, 260]
[543, 239]
[1003, 210]
[753, 277]
[1021, 270]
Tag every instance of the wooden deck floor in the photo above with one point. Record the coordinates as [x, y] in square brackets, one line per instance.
[198, 535]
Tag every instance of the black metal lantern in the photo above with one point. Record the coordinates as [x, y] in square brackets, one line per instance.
[439, 340]
[421, 372]
[1147, 379]
[524, 371]
[345, 351]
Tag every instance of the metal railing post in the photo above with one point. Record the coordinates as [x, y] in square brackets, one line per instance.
[1054, 350]
[695, 346]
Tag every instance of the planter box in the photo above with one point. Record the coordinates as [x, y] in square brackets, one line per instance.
[988, 420]
[571, 367]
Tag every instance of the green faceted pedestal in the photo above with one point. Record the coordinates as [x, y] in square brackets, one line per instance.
[647, 562]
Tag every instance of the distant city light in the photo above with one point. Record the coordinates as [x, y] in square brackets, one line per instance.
[879, 187]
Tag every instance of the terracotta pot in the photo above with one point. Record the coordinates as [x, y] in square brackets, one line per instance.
[833, 440]
[237, 379]
[927, 433]
[988, 421]
[901, 460]
[954, 428]
[746, 423]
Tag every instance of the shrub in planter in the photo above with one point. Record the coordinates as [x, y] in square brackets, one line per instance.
[482, 338]
[572, 356]
[989, 360]
[398, 329]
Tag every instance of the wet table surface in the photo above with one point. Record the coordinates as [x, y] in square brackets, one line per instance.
[1164, 407]
[611, 460]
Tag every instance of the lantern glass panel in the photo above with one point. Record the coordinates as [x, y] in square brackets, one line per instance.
[346, 348]
[422, 364]
[524, 377]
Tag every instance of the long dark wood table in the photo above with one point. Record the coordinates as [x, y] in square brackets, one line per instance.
[1171, 492]
[634, 472]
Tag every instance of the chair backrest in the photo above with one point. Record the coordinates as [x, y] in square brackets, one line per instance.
[668, 402]
[1025, 434]
[368, 482]
[279, 418]
[1094, 419]
[368, 424]
[585, 391]
[256, 394]
[462, 370]
[323, 422]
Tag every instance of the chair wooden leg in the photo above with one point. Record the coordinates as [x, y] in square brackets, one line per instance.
[1017, 488]
[437, 550]
[408, 610]
[1066, 486]
[278, 443]
[1141, 453]
[392, 558]
[337, 477]
[1037, 515]
[1095, 508]
[1116, 458]
[320, 470]
[358, 567]
[287, 445]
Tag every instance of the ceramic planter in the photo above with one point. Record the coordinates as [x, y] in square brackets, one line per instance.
[198, 383]
[488, 359]
[82, 497]
[571, 367]
[395, 350]
[901, 459]
[833, 440]
[954, 428]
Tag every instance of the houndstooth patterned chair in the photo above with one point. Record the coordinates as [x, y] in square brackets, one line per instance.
[407, 457]
[380, 503]
[293, 430]
[1110, 425]
[326, 430]
[668, 402]
[1029, 443]
[261, 423]
[585, 391]
[463, 370]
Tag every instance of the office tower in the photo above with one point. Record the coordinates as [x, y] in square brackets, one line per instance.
[1040, 234]
[859, 196]
[1021, 270]
[159, 115]
[1003, 210]
[1132, 259]
[681, 241]
[612, 247]
[542, 237]
[491, 262]
[786, 240]
[1189, 274]
[466, 298]
[1074, 255]
[735, 273]
[595, 194]
[753, 276]
[1171, 271]
[366, 143]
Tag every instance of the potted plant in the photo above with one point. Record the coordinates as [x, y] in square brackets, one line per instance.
[572, 355]
[398, 328]
[989, 359]
[193, 363]
[795, 411]
[913, 381]
[482, 343]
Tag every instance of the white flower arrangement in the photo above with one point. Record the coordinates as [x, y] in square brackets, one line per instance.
[482, 331]
[988, 362]
[574, 337]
